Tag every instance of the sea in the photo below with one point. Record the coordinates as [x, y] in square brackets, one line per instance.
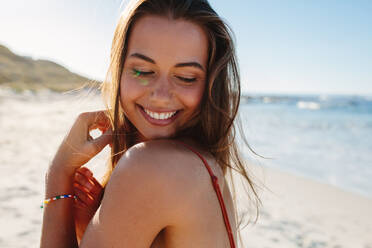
[327, 138]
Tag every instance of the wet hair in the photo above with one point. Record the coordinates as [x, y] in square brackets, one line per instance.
[216, 126]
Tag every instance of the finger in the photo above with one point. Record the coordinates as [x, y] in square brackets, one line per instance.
[102, 127]
[99, 143]
[90, 120]
[85, 171]
[98, 118]
[91, 202]
[83, 196]
[97, 187]
[79, 204]
[89, 185]
[85, 178]
[102, 118]
[89, 178]
[83, 181]
[93, 188]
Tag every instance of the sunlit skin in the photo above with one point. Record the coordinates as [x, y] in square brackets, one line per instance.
[164, 71]
[89, 194]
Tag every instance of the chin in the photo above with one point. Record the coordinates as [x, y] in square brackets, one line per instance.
[154, 136]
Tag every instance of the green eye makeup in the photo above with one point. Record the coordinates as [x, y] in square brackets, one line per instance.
[138, 73]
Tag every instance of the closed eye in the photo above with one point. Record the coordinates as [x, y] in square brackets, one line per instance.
[188, 80]
[138, 73]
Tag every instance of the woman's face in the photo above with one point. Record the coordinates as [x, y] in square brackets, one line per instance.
[164, 75]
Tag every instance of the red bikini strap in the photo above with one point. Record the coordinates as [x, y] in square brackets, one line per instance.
[218, 191]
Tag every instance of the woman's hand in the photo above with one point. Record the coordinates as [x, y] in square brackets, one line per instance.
[89, 194]
[78, 147]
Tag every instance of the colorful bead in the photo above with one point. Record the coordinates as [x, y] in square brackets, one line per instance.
[47, 201]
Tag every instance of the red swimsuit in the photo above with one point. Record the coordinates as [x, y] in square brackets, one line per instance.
[219, 195]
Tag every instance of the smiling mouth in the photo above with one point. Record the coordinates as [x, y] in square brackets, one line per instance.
[158, 118]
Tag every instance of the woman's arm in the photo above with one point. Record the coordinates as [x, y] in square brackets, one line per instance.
[77, 148]
[58, 228]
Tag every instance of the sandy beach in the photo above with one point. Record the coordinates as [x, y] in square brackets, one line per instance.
[298, 212]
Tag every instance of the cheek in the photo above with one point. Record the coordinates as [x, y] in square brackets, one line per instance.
[130, 89]
[192, 99]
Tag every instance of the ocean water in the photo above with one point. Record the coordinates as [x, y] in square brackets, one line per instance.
[326, 138]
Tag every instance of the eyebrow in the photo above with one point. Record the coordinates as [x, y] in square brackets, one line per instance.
[143, 57]
[150, 60]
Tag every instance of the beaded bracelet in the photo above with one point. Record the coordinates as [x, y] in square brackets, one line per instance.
[47, 201]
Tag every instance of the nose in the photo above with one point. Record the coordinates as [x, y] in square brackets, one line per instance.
[162, 91]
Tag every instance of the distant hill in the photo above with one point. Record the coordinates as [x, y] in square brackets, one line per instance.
[22, 73]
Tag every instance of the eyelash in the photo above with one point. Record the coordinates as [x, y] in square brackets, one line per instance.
[187, 80]
[146, 73]
[141, 73]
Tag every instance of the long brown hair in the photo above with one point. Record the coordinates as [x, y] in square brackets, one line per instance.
[216, 127]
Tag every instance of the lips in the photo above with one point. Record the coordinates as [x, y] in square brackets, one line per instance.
[160, 115]
[159, 118]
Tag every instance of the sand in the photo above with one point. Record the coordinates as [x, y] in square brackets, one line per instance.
[300, 212]
[297, 213]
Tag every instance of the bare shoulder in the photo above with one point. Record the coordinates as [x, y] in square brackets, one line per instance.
[178, 172]
[168, 161]
[151, 185]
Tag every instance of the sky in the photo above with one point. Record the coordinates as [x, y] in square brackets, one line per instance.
[283, 46]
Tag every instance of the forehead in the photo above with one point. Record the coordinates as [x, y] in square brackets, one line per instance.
[161, 38]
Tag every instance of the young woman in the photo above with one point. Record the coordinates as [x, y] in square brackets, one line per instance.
[172, 96]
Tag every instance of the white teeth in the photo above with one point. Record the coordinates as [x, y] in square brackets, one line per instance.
[160, 116]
